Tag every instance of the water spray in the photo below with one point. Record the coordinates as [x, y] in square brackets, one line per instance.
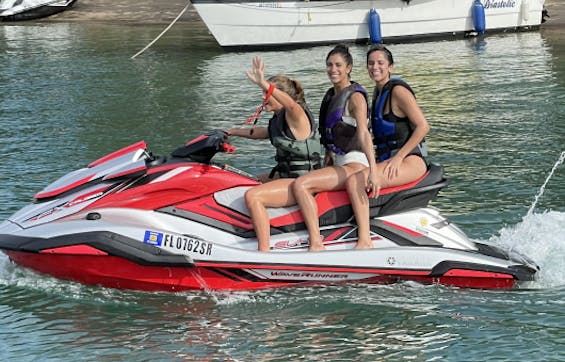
[542, 188]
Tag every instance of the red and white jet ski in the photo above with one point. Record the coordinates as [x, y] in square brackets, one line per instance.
[132, 220]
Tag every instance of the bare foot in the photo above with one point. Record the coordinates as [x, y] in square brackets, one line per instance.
[317, 245]
[264, 248]
[364, 245]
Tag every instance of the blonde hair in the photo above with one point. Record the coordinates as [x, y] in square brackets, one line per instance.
[292, 87]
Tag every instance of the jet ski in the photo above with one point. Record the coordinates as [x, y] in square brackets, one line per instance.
[18, 10]
[134, 220]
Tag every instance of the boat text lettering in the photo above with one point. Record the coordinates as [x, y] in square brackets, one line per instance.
[498, 4]
[267, 5]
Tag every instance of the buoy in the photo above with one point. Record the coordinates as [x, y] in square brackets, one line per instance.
[479, 21]
[525, 8]
[375, 27]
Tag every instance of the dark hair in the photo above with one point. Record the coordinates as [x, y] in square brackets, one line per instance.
[342, 50]
[381, 48]
[292, 87]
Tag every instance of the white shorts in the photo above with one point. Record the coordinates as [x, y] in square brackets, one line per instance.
[351, 157]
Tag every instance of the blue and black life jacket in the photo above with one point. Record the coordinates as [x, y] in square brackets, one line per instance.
[294, 158]
[390, 132]
[336, 135]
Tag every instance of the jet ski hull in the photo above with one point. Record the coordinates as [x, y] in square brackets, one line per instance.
[175, 262]
[116, 272]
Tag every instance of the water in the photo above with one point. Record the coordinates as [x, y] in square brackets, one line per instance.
[69, 93]
[542, 188]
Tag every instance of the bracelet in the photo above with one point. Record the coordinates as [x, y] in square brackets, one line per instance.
[270, 91]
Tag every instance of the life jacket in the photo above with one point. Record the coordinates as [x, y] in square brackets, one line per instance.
[390, 134]
[336, 135]
[294, 158]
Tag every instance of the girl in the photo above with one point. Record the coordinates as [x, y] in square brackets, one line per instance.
[292, 133]
[399, 128]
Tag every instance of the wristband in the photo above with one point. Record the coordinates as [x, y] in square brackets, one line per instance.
[269, 92]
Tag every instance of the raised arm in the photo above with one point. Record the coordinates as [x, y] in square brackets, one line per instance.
[295, 114]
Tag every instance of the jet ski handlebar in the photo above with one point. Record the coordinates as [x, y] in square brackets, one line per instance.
[204, 147]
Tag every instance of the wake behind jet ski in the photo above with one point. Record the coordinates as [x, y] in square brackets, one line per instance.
[133, 220]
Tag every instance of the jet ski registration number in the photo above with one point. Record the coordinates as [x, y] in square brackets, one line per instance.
[177, 242]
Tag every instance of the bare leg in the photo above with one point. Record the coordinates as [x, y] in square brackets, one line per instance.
[325, 179]
[411, 169]
[272, 194]
[303, 189]
[356, 185]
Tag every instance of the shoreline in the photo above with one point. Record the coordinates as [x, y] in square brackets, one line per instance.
[128, 11]
[164, 12]
[556, 11]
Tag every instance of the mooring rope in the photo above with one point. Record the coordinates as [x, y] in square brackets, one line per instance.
[163, 32]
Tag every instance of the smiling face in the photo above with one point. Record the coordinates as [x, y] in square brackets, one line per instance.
[379, 67]
[338, 69]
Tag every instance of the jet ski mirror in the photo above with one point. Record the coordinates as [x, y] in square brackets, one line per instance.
[204, 147]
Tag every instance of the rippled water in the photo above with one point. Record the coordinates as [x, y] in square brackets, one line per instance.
[69, 93]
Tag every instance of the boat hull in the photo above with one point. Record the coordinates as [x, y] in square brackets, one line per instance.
[302, 22]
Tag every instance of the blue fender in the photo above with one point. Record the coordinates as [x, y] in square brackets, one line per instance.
[479, 21]
[375, 27]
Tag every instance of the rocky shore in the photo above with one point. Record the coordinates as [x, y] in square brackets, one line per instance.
[160, 11]
[556, 11]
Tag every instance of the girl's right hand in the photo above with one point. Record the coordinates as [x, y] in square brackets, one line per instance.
[372, 186]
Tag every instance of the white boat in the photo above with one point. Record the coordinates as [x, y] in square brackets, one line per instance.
[16, 10]
[263, 23]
